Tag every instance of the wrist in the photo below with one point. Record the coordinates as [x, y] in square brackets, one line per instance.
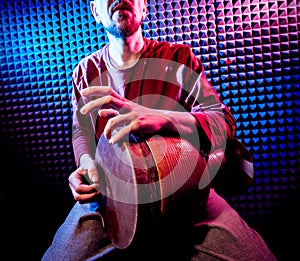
[84, 158]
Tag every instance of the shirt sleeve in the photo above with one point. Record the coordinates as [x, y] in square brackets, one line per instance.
[83, 134]
[216, 124]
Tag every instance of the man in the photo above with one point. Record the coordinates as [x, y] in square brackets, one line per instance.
[136, 85]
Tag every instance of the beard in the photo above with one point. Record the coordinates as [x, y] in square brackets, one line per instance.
[124, 28]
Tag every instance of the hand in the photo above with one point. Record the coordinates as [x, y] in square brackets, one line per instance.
[90, 165]
[83, 181]
[81, 191]
[124, 116]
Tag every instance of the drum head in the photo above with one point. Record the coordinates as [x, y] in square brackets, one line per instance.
[120, 215]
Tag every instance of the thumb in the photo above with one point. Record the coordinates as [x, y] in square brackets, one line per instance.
[93, 174]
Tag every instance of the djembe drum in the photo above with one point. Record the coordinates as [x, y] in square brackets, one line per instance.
[147, 180]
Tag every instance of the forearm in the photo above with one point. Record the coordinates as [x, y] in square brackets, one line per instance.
[82, 144]
[215, 127]
[183, 123]
[210, 128]
[83, 126]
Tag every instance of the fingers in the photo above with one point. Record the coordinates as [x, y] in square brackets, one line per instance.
[97, 91]
[101, 91]
[87, 163]
[106, 102]
[76, 177]
[121, 134]
[107, 98]
[86, 197]
[120, 123]
[108, 113]
[76, 180]
[82, 192]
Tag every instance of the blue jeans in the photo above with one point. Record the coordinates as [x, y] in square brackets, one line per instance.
[220, 234]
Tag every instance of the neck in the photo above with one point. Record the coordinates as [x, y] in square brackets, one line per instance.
[126, 52]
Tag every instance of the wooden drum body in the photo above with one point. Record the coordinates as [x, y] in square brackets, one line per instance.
[147, 180]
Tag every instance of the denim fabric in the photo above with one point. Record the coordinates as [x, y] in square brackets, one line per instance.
[81, 236]
[227, 236]
[221, 234]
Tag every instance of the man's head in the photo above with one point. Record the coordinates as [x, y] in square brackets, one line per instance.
[121, 18]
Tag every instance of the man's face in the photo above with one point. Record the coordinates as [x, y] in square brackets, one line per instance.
[121, 18]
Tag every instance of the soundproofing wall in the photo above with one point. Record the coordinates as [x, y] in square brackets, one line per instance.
[250, 51]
